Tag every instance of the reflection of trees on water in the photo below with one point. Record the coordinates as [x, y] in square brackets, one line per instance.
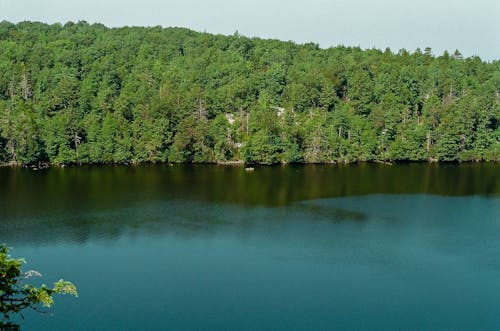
[100, 203]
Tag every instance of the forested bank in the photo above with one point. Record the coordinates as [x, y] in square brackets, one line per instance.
[80, 93]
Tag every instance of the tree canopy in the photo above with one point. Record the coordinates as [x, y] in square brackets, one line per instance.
[81, 93]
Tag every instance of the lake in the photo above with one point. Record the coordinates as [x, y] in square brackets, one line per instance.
[357, 247]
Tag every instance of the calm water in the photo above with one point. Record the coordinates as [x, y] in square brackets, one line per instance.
[364, 247]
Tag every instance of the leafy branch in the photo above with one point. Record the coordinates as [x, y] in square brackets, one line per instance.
[16, 295]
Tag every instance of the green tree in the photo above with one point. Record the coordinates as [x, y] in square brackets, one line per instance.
[83, 93]
[16, 295]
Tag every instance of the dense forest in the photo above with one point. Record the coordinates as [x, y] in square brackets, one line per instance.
[81, 93]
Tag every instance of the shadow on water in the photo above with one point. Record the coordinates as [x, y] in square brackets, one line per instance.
[9, 327]
[175, 217]
[334, 214]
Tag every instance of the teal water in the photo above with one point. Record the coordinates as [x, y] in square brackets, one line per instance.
[363, 247]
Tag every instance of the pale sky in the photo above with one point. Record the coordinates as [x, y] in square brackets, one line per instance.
[471, 26]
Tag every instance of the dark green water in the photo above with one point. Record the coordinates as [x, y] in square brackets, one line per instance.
[364, 247]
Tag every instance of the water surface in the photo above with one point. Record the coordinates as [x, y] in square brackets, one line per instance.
[365, 247]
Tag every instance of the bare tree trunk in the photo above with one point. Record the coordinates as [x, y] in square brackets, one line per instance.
[247, 123]
[12, 91]
[428, 142]
[228, 137]
[25, 87]
[77, 139]
[202, 112]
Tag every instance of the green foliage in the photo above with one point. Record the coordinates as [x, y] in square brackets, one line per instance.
[83, 93]
[16, 295]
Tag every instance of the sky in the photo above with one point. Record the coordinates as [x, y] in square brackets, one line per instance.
[473, 27]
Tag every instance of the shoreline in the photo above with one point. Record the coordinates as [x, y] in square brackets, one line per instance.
[240, 163]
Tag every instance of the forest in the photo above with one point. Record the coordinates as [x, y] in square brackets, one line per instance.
[83, 93]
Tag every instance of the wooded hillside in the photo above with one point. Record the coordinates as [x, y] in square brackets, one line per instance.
[80, 93]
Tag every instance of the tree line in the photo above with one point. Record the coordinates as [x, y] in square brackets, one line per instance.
[81, 93]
